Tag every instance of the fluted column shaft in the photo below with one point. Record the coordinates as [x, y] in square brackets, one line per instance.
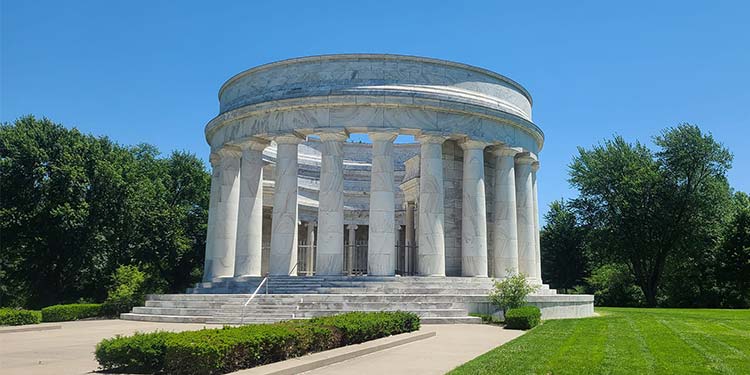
[381, 249]
[249, 247]
[213, 206]
[525, 216]
[409, 237]
[284, 218]
[431, 252]
[505, 230]
[473, 211]
[330, 254]
[537, 244]
[221, 261]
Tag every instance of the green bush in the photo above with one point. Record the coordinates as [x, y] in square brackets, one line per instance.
[16, 317]
[141, 353]
[525, 317]
[613, 285]
[511, 292]
[218, 351]
[64, 313]
[127, 291]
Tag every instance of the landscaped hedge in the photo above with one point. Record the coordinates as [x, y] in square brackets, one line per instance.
[219, 351]
[525, 317]
[13, 317]
[62, 313]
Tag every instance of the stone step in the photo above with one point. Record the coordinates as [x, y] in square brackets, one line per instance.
[451, 320]
[174, 311]
[307, 313]
[164, 318]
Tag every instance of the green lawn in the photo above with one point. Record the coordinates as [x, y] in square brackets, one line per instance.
[627, 341]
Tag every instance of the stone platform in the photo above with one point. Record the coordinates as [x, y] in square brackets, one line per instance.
[437, 300]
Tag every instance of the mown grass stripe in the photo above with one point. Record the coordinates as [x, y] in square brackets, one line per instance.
[695, 341]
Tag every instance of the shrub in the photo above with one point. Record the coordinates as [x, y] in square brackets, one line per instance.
[63, 313]
[16, 317]
[127, 291]
[511, 292]
[613, 285]
[141, 353]
[217, 351]
[525, 317]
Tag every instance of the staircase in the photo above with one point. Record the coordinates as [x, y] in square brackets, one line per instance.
[434, 299]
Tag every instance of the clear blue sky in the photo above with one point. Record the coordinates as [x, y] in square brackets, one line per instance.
[149, 71]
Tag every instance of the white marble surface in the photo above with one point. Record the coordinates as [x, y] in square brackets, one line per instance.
[213, 206]
[473, 211]
[250, 216]
[330, 254]
[284, 222]
[225, 215]
[431, 250]
[381, 251]
[525, 217]
[505, 241]
[537, 243]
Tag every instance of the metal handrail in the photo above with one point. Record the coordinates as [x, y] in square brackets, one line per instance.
[265, 279]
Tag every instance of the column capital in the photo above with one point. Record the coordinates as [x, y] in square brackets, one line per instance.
[352, 226]
[526, 158]
[470, 144]
[291, 139]
[430, 138]
[253, 143]
[229, 151]
[503, 150]
[336, 135]
[386, 135]
[535, 166]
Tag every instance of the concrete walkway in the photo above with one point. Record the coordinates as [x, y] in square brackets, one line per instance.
[70, 349]
[452, 345]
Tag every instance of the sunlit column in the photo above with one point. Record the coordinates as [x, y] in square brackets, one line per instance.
[249, 247]
[330, 254]
[505, 231]
[431, 252]
[473, 211]
[381, 249]
[284, 218]
[221, 261]
[525, 216]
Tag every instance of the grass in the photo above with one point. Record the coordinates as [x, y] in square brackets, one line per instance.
[627, 341]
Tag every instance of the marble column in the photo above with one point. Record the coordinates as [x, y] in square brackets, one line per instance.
[310, 248]
[409, 238]
[505, 230]
[249, 247]
[213, 206]
[330, 254]
[352, 248]
[225, 215]
[537, 245]
[431, 252]
[381, 248]
[473, 211]
[525, 216]
[284, 217]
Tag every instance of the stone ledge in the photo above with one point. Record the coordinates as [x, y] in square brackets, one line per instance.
[30, 328]
[329, 357]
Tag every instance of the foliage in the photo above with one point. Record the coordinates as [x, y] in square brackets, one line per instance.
[647, 210]
[139, 353]
[733, 267]
[613, 285]
[487, 318]
[511, 292]
[75, 207]
[216, 351]
[17, 317]
[562, 240]
[64, 313]
[626, 341]
[127, 291]
[524, 317]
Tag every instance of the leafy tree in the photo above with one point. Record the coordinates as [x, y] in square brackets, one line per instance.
[562, 247]
[74, 207]
[646, 210]
[733, 270]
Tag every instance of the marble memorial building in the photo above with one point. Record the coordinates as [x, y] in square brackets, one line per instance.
[456, 195]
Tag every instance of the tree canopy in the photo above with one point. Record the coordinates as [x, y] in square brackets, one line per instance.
[74, 207]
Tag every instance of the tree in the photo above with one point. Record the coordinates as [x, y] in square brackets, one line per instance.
[733, 270]
[647, 209]
[74, 207]
[562, 247]
[510, 292]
